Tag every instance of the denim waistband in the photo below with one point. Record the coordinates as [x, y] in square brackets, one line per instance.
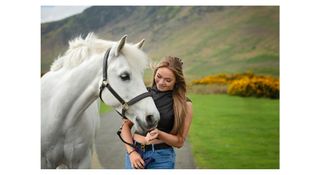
[153, 147]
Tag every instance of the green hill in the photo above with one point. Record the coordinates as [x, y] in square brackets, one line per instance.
[210, 39]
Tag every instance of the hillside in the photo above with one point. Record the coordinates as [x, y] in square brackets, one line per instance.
[209, 39]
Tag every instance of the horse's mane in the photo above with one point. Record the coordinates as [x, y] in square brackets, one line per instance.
[82, 49]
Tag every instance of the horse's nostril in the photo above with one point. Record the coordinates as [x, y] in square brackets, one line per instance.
[149, 118]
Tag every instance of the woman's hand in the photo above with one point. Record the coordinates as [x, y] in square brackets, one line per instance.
[136, 160]
[152, 135]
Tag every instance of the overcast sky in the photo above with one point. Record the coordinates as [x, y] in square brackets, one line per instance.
[53, 13]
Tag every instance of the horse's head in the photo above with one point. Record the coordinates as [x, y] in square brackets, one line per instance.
[124, 68]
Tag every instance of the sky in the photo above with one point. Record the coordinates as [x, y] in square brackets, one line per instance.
[53, 13]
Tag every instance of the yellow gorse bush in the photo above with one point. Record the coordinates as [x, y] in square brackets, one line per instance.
[246, 84]
[212, 79]
[256, 86]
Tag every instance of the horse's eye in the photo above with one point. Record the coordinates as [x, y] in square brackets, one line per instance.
[125, 76]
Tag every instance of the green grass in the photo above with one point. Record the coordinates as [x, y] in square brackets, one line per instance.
[104, 108]
[229, 132]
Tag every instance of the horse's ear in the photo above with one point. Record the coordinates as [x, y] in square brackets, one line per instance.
[140, 44]
[120, 45]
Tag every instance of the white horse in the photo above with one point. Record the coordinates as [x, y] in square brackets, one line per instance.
[69, 97]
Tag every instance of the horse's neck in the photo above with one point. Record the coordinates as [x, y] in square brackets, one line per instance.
[83, 86]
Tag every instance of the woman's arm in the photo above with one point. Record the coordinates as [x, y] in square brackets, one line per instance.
[126, 134]
[135, 158]
[170, 139]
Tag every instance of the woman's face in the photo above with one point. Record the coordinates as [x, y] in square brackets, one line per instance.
[165, 79]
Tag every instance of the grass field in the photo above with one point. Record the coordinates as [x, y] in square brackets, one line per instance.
[229, 132]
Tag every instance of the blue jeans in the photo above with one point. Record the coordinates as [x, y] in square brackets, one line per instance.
[163, 159]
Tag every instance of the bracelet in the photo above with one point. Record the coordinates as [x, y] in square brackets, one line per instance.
[131, 152]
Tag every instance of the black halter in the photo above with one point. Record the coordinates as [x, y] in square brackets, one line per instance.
[105, 83]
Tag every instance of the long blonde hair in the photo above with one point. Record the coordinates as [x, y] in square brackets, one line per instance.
[179, 91]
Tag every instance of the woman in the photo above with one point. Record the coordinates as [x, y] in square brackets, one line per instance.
[169, 93]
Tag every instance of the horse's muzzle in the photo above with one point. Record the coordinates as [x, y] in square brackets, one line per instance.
[150, 123]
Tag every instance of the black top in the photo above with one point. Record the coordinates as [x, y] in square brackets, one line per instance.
[164, 103]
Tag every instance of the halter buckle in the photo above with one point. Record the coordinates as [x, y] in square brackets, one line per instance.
[104, 82]
[143, 147]
[125, 106]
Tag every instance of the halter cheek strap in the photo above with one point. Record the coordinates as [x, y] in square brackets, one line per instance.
[105, 73]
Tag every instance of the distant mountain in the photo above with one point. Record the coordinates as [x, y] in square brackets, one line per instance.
[210, 39]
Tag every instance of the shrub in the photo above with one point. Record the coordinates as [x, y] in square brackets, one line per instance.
[212, 79]
[256, 86]
[245, 84]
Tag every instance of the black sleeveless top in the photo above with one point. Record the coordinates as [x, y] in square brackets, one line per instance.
[164, 104]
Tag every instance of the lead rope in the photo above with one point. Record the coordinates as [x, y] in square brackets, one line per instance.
[119, 134]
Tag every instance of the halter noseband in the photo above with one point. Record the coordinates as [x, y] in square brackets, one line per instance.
[105, 83]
